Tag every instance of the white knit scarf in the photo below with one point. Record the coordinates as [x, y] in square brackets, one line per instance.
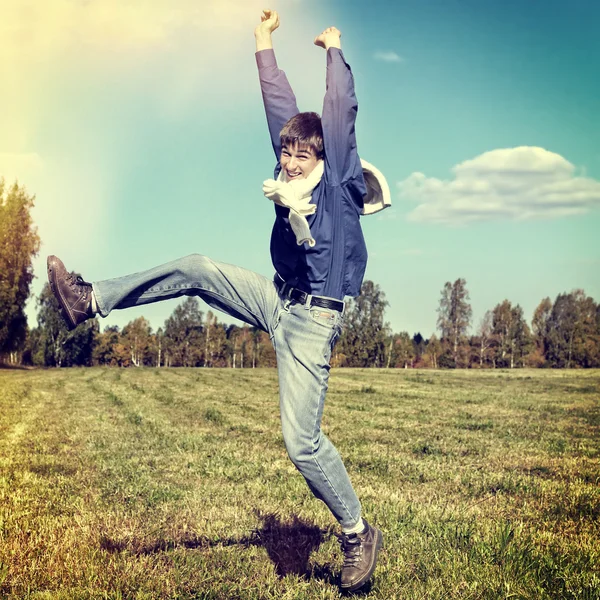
[296, 195]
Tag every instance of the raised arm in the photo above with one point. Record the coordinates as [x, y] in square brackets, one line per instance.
[278, 97]
[339, 111]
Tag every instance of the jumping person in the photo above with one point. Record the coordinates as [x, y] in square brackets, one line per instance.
[320, 189]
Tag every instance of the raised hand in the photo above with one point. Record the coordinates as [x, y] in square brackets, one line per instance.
[330, 38]
[269, 22]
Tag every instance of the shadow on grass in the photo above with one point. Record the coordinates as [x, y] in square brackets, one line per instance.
[289, 545]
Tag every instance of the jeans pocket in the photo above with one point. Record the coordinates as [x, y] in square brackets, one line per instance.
[324, 316]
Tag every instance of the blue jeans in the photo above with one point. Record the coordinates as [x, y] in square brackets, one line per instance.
[303, 338]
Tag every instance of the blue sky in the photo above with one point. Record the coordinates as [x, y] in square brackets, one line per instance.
[140, 130]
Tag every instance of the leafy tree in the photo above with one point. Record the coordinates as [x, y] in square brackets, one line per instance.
[594, 343]
[405, 350]
[183, 335]
[80, 344]
[239, 345]
[561, 331]
[540, 327]
[232, 346]
[104, 349]
[219, 346]
[214, 344]
[246, 347]
[137, 338]
[572, 333]
[53, 331]
[433, 351]
[19, 243]
[265, 353]
[587, 336]
[484, 339]
[59, 347]
[32, 352]
[541, 321]
[390, 350]
[512, 334]
[419, 344]
[454, 316]
[363, 340]
[121, 354]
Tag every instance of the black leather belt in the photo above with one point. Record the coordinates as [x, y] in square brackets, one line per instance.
[299, 296]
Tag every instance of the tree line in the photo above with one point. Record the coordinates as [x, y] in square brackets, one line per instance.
[188, 339]
[563, 333]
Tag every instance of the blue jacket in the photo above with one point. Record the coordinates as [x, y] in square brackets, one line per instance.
[335, 266]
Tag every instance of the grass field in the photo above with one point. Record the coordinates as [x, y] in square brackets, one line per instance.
[174, 483]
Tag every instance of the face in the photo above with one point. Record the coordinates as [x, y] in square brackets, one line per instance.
[297, 161]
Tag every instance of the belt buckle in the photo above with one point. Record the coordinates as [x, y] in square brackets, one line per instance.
[302, 296]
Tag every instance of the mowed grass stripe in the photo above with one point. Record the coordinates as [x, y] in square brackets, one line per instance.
[185, 436]
[214, 469]
[43, 491]
[133, 489]
[174, 483]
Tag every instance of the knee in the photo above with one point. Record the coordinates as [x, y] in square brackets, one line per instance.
[300, 450]
[194, 259]
[194, 265]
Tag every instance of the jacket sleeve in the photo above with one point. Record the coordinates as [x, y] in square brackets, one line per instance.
[340, 108]
[278, 97]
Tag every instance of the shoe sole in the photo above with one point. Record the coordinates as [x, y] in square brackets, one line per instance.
[63, 312]
[358, 584]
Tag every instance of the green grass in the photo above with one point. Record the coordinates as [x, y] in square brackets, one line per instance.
[174, 483]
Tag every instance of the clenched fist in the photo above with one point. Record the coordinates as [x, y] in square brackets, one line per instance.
[269, 22]
[330, 38]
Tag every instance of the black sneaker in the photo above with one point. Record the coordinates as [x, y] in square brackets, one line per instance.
[360, 557]
[73, 294]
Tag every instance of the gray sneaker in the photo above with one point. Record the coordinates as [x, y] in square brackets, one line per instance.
[360, 557]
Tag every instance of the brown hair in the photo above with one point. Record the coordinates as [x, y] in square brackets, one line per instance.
[304, 129]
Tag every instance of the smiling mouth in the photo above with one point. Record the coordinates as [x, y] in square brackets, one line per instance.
[292, 175]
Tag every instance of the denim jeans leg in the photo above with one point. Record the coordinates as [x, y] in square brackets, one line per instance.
[303, 340]
[233, 290]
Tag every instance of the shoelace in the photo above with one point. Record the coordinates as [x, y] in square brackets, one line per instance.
[84, 286]
[78, 281]
[352, 548]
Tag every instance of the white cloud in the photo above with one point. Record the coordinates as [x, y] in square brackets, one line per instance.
[521, 183]
[388, 56]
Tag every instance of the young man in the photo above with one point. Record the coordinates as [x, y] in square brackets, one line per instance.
[319, 254]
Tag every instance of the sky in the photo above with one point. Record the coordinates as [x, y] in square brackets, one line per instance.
[140, 130]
